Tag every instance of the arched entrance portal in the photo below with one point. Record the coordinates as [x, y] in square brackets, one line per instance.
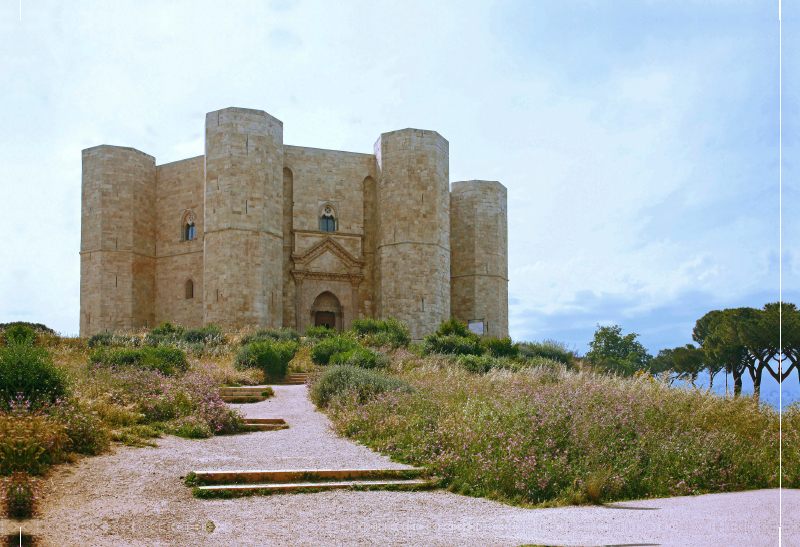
[327, 311]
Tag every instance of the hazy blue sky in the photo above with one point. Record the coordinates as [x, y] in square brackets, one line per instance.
[638, 139]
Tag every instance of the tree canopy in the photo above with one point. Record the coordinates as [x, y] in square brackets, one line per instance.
[617, 353]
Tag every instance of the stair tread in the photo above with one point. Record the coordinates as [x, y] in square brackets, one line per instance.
[320, 470]
[321, 484]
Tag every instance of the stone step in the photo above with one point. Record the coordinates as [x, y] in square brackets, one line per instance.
[207, 477]
[265, 420]
[273, 487]
[267, 427]
[241, 399]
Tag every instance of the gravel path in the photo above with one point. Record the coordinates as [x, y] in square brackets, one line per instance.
[135, 497]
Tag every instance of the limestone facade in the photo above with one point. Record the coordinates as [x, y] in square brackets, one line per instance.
[256, 232]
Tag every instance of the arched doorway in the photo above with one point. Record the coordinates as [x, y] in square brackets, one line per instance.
[327, 311]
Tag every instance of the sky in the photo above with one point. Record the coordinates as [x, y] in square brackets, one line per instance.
[638, 140]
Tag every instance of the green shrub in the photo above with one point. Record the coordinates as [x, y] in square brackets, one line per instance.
[210, 335]
[321, 353]
[20, 496]
[275, 335]
[111, 339]
[320, 332]
[501, 347]
[480, 364]
[29, 372]
[84, 430]
[38, 327]
[20, 334]
[30, 442]
[373, 332]
[100, 339]
[339, 381]
[167, 329]
[454, 326]
[244, 358]
[549, 349]
[165, 359]
[190, 427]
[273, 357]
[452, 344]
[361, 358]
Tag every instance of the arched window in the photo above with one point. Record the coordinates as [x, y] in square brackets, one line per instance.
[189, 289]
[327, 220]
[187, 226]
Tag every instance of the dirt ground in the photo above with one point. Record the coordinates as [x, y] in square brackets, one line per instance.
[135, 496]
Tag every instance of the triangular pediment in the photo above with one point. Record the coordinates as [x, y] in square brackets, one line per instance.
[327, 256]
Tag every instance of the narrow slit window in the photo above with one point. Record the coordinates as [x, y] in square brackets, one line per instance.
[189, 289]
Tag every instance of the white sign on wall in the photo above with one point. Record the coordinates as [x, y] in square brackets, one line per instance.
[476, 326]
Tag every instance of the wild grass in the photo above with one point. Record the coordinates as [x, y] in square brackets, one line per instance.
[549, 435]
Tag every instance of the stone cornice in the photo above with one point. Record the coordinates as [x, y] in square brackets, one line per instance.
[353, 278]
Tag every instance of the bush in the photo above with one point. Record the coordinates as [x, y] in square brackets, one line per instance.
[275, 335]
[452, 344]
[165, 359]
[38, 327]
[167, 329]
[549, 349]
[84, 430]
[110, 339]
[244, 358]
[20, 334]
[392, 332]
[209, 335]
[321, 353]
[30, 441]
[320, 332]
[29, 373]
[100, 339]
[20, 496]
[501, 347]
[190, 427]
[273, 357]
[361, 358]
[454, 326]
[341, 381]
[480, 364]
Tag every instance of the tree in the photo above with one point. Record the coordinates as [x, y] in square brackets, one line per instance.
[682, 362]
[617, 353]
[780, 322]
[721, 346]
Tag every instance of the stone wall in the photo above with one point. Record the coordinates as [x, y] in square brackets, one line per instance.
[243, 236]
[479, 241]
[117, 239]
[413, 243]
[258, 256]
[179, 188]
[335, 178]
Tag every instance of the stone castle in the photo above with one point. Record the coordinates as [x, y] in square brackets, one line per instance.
[257, 232]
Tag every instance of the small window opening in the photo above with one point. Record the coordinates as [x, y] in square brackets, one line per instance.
[189, 289]
[327, 222]
[423, 304]
[189, 231]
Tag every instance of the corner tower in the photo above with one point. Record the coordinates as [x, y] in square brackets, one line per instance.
[479, 267]
[117, 239]
[243, 211]
[412, 255]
